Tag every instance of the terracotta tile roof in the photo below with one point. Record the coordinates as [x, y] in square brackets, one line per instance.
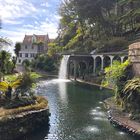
[39, 38]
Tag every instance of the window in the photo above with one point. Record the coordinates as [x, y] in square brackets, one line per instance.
[25, 46]
[20, 55]
[32, 47]
[19, 61]
[26, 54]
[32, 55]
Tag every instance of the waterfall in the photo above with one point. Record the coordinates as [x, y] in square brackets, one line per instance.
[63, 67]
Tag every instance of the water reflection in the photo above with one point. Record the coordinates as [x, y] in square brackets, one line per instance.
[93, 129]
[63, 90]
[77, 113]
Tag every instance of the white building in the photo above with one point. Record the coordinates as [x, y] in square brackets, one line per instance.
[31, 46]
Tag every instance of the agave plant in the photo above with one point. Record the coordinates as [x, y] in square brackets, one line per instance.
[8, 87]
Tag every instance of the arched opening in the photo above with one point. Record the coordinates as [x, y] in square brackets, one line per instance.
[82, 69]
[71, 68]
[107, 61]
[90, 68]
[125, 58]
[117, 58]
[98, 62]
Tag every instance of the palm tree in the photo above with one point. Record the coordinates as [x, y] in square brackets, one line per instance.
[16, 50]
[3, 58]
[7, 87]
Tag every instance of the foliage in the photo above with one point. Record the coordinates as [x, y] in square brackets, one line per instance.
[115, 72]
[116, 76]
[44, 62]
[53, 49]
[88, 25]
[8, 87]
[132, 94]
[27, 83]
[6, 64]
[11, 77]
[26, 63]
[16, 50]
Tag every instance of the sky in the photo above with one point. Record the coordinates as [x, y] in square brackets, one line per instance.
[20, 17]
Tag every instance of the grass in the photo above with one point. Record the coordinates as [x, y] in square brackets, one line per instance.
[13, 77]
[41, 103]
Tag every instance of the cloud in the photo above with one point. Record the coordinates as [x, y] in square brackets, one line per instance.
[44, 28]
[13, 9]
[20, 17]
[46, 4]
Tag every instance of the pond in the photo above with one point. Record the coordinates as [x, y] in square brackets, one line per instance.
[77, 113]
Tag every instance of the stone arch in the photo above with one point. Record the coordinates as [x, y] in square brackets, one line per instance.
[117, 58]
[82, 66]
[71, 68]
[90, 66]
[107, 61]
[98, 63]
[125, 58]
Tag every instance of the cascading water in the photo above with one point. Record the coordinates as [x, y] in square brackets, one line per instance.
[63, 67]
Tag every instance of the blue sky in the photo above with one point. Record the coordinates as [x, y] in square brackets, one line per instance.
[20, 17]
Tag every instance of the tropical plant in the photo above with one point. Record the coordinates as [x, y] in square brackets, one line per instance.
[116, 76]
[8, 87]
[16, 50]
[44, 62]
[132, 94]
[27, 83]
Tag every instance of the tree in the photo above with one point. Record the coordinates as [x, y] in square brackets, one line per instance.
[90, 24]
[8, 87]
[16, 50]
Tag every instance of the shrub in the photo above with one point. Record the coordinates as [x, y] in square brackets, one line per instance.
[132, 94]
[116, 76]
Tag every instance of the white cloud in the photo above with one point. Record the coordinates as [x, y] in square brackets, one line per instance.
[46, 4]
[13, 9]
[42, 20]
[44, 28]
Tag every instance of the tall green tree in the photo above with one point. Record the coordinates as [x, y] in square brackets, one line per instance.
[16, 50]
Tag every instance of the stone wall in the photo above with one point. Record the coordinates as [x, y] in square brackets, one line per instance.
[134, 55]
[15, 126]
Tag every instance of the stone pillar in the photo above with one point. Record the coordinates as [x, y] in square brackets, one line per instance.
[94, 64]
[75, 70]
[68, 70]
[111, 60]
[102, 63]
[122, 58]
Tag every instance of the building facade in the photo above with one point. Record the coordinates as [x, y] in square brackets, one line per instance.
[31, 46]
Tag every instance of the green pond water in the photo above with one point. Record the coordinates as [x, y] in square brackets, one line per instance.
[77, 113]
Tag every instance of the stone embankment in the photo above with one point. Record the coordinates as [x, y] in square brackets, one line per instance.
[17, 122]
[121, 119]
